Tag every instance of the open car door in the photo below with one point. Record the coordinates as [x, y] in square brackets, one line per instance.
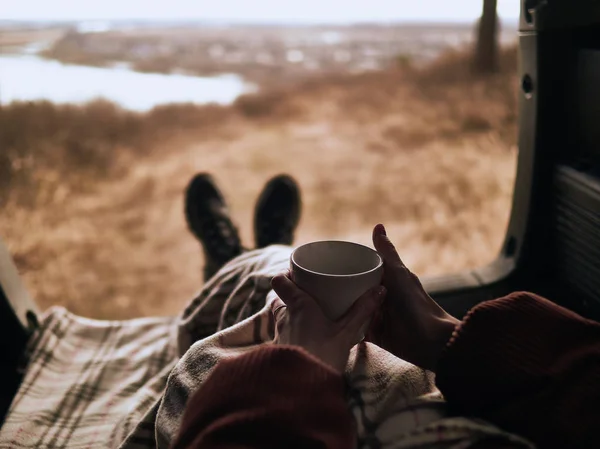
[552, 245]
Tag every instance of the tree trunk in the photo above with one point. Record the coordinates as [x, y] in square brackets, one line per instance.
[487, 46]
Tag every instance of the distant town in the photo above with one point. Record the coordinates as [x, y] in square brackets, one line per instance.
[265, 54]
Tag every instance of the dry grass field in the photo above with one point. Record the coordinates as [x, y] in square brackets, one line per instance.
[92, 195]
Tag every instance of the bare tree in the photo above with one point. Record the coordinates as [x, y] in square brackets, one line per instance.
[487, 46]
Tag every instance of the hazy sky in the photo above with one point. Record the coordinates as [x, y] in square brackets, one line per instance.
[254, 10]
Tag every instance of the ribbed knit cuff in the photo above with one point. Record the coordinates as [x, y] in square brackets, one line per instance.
[502, 347]
[274, 391]
[274, 367]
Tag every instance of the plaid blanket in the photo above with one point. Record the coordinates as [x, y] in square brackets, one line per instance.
[93, 384]
[88, 383]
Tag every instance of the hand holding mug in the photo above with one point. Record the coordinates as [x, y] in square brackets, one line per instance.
[300, 321]
[410, 325]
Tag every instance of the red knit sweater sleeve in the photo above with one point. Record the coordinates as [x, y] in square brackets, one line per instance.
[273, 397]
[529, 366]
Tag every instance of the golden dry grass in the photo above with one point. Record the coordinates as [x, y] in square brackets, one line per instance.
[429, 152]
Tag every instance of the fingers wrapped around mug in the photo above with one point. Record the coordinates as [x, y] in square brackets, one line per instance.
[301, 322]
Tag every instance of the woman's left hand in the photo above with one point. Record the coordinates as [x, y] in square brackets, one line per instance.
[300, 322]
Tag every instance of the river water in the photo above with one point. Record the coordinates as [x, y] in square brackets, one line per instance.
[29, 77]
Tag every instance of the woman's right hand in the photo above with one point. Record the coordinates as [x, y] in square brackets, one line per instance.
[411, 325]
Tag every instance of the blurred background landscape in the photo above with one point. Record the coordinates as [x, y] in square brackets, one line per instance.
[406, 117]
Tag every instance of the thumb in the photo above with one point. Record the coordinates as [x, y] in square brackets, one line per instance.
[363, 309]
[384, 245]
[288, 292]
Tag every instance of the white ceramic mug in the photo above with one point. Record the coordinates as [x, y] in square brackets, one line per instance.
[335, 273]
